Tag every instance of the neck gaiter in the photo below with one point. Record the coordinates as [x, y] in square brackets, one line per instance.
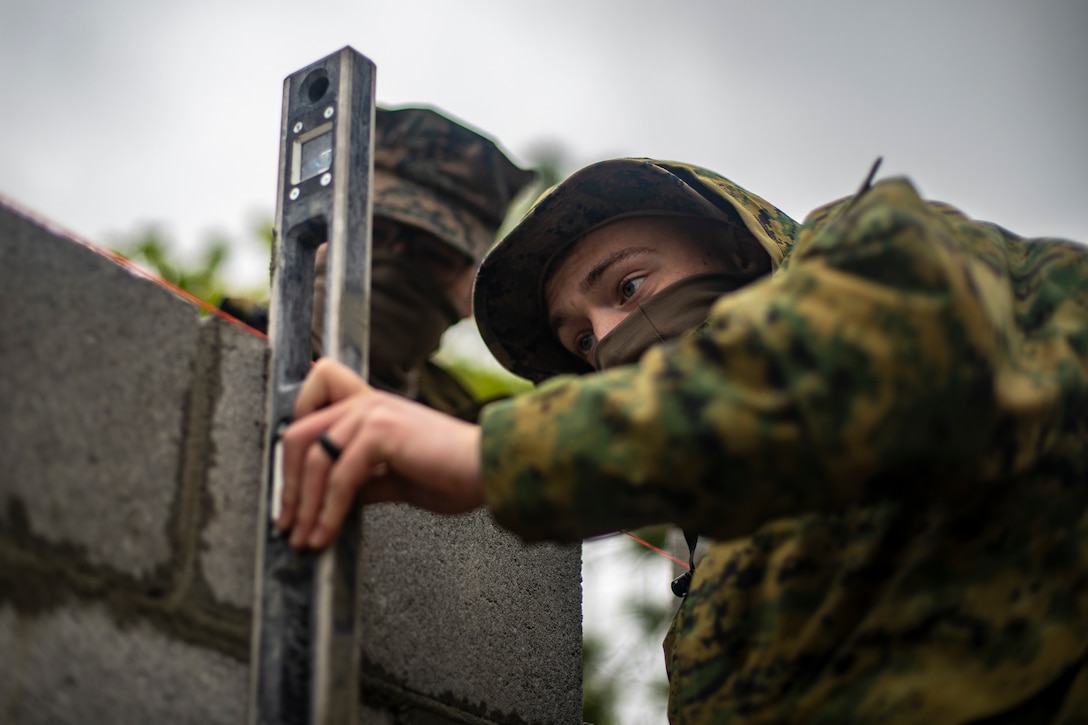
[679, 308]
[408, 314]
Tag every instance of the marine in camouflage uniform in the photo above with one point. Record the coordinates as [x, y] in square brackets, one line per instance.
[886, 438]
[440, 193]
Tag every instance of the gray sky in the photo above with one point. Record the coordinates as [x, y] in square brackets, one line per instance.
[120, 112]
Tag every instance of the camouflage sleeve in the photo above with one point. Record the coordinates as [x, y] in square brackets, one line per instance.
[874, 366]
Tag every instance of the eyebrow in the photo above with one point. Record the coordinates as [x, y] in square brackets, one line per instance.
[598, 270]
[595, 274]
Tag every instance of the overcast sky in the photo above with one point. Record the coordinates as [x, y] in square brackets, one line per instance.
[123, 112]
[117, 113]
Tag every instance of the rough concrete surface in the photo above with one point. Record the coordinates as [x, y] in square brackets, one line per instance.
[462, 612]
[77, 665]
[97, 365]
[229, 536]
[130, 440]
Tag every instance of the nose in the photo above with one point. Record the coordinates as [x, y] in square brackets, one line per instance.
[604, 320]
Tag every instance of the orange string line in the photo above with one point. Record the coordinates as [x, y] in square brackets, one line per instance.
[123, 261]
[651, 547]
[131, 266]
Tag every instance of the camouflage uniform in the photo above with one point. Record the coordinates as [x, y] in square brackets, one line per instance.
[894, 420]
[435, 175]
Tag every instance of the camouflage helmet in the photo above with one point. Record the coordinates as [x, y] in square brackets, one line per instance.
[436, 174]
[508, 299]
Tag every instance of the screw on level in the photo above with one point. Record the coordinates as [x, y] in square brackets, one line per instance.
[298, 126]
[325, 179]
[328, 112]
[293, 194]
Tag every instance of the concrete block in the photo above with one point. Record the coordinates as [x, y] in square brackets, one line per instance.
[229, 535]
[130, 434]
[78, 665]
[372, 716]
[459, 611]
[97, 366]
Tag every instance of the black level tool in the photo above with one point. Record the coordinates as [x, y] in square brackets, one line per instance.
[305, 658]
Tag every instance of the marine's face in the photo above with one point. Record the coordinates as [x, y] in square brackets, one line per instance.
[615, 268]
[447, 267]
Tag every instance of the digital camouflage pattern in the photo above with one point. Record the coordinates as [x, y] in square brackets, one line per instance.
[436, 174]
[887, 440]
[431, 173]
[509, 293]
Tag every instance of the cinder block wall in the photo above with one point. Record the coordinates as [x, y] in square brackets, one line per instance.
[130, 444]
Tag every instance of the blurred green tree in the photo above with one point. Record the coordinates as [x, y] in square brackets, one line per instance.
[205, 278]
[151, 248]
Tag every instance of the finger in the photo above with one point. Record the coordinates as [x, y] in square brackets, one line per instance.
[297, 441]
[328, 382]
[315, 482]
[360, 458]
[311, 490]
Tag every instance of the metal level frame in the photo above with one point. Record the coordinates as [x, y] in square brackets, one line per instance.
[305, 652]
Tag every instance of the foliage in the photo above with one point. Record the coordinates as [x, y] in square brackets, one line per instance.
[600, 691]
[485, 382]
[603, 686]
[152, 249]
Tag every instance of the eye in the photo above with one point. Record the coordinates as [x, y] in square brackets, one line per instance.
[584, 344]
[630, 286]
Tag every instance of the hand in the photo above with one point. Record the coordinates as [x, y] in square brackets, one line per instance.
[393, 450]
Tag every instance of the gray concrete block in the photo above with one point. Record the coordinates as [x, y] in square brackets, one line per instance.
[405, 713]
[97, 364]
[229, 535]
[126, 422]
[372, 716]
[77, 665]
[459, 611]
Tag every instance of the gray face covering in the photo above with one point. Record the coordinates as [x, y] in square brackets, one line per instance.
[679, 308]
[408, 314]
